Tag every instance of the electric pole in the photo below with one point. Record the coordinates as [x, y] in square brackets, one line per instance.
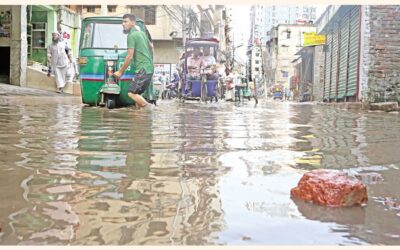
[184, 26]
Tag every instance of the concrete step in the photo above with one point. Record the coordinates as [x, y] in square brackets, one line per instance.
[385, 106]
[37, 79]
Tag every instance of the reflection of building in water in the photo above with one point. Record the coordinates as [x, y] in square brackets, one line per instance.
[13, 153]
[42, 213]
[272, 210]
[147, 193]
[355, 142]
[332, 142]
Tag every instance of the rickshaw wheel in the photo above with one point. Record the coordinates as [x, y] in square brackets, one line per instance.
[203, 92]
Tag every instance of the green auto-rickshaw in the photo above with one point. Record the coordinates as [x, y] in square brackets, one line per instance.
[102, 51]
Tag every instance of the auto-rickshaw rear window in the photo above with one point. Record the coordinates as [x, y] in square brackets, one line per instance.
[104, 35]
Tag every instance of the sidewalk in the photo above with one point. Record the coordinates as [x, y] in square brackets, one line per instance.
[11, 90]
[15, 95]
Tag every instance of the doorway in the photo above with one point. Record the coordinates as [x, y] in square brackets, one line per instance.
[5, 65]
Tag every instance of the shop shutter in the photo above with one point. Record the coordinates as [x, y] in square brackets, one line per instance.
[344, 55]
[351, 88]
[334, 63]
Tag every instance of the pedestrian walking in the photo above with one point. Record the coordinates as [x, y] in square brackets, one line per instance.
[58, 58]
[140, 56]
[163, 79]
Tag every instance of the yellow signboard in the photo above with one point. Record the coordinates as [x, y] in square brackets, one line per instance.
[312, 38]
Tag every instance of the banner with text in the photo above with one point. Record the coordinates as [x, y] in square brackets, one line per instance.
[312, 38]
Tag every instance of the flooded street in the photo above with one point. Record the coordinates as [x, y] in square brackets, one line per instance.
[192, 174]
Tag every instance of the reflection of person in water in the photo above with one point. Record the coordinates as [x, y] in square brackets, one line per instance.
[147, 197]
[131, 146]
[138, 157]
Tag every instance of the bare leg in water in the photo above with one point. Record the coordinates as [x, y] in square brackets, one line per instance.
[140, 102]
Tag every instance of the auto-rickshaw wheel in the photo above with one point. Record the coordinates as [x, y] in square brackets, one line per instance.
[110, 101]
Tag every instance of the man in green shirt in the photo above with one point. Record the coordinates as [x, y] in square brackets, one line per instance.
[140, 50]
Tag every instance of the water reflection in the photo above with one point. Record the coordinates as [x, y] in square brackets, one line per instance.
[146, 197]
[191, 174]
[349, 216]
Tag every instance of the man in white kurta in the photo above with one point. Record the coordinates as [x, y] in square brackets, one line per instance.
[58, 58]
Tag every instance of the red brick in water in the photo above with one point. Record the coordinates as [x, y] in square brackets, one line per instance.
[330, 188]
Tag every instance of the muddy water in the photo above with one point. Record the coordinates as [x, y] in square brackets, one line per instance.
[192, 174]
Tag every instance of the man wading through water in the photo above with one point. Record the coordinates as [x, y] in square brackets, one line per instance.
[141, 51]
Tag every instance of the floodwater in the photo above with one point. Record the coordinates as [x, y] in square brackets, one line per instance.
[192, 174]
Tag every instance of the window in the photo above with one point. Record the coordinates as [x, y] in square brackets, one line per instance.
[39, 35]
[257, 69]
[87, 37]
[112, 8]
[257, 61]
[91, 8]
[104, 35]
[150, 15]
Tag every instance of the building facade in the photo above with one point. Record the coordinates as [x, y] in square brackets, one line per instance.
[285, 41]
[362, 53]
[296, 14]
[263, 19]
[307, 82]
[254, 52]
[13, 44]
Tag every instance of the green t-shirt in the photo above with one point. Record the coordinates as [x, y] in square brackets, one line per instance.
[142, 58]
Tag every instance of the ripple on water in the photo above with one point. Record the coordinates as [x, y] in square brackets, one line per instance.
[191, 174]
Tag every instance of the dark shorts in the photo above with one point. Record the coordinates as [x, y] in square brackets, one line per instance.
[140, 82]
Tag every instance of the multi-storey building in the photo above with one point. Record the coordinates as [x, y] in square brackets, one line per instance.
[263, 19]
[254, 51]
[295, 14]
[286, 40]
